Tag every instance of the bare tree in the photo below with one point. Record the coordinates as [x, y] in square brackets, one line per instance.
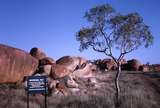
[110, 30]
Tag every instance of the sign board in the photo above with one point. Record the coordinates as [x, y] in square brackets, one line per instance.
[36, 84]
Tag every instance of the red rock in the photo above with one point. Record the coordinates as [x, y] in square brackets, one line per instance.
[62, 88]
[85, 72]
[100, 64]
[59, 71]
[71, 63]
[132, 65]
[123, 61]
[154, 67]
[37, 53]
[78, 65]
[45, 69]
[15, 64]
[144, 68]
[109, 63]
[46, 61]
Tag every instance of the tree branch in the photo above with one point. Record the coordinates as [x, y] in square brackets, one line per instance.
[125, 52]
[108, 41]
[98, 50]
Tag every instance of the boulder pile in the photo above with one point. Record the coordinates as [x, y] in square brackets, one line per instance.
[68, 74]
[63, 74]
[110, 65]
[154, 67]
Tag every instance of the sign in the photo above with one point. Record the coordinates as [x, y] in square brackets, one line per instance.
[36, 84]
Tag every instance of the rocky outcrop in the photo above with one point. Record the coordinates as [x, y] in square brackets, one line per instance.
[59, 71]
[15, 64]
[47, 61]
[154, 67]
[45, 65]
[144, 68]
[132, 65]
[71, 63]
[106, 64]
[85, 72]
[45, 69]
[61, 88]
[37, 53]
[123, 61]
[79, 66]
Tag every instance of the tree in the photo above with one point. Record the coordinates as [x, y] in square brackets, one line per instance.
[110, 30]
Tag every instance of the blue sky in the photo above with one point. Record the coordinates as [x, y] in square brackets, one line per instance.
[52, 24]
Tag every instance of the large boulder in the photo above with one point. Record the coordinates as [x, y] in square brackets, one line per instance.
[106, 64]
[72, 63]
[144, 68]
[46, 61]
[109, 64]
[85, 72]
[79, 66]
[45, 65]
[100, 64]
[45, 69]
[71, 83]
[123, 61]
[62, 89]
[15, 64]
[37, 53]
[132, 65]
[59, 71]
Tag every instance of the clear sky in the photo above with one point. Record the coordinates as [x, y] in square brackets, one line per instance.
[52, 24]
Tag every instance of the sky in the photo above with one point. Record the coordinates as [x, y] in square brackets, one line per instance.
[52, 24]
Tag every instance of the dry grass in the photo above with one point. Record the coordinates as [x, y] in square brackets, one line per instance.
[137, 91]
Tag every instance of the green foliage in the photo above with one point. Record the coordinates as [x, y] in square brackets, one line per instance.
[110, 30]
[130, 32]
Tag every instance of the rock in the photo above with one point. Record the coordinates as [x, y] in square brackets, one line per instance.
[68, 81]
[92, 80]
[144, 68]
[106, 64]
[46, 69]
[37, 53]
[110, 64]
[93, 67]
[71, 83]
[71, 63]
[79, 66]
[15, 64]
[74, 90]
[59, 71]
[154, 67]
[45, 65]
[133, 65]
[123, 61]
[51, 85]
[84, 72]
[46, 61]
[62, 88]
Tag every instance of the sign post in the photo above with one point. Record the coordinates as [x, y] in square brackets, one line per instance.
[37, 85]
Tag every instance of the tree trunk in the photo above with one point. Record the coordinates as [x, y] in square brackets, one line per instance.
[117, 83]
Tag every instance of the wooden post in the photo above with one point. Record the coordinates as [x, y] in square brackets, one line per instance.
[45, 100]
[27, 99]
